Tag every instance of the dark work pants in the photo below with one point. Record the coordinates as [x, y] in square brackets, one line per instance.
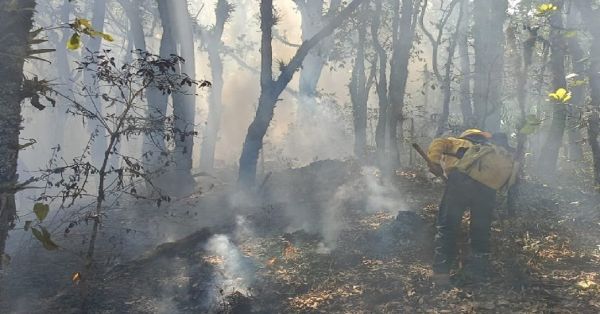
[462, 193]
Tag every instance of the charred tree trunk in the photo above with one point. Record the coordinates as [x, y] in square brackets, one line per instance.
[271, 89]
[549, 156]
[17, 22]
[214, 46]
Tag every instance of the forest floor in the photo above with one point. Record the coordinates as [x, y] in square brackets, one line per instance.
[545, 260]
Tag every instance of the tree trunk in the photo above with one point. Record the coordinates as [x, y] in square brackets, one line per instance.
[549, 154]
[403, 29]
[313, 19]
[577, 54]
[466, 105]
[591, 18]
[447, 82]
[381, 85]
[214, 47]
[358, 92]
[184, 101]
[489, 17]
[271, 89]
[154, 143]
[15, 27]
[94, 45]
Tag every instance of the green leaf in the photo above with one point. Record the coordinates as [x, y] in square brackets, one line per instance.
[41, 211]
[44, 237]
[74, 42]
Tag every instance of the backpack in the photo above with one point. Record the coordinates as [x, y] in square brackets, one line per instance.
[488, 164]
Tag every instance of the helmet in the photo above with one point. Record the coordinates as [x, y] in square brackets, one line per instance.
[475, 132]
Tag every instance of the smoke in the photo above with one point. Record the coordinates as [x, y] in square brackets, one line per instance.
[233, 272]
[369, 186]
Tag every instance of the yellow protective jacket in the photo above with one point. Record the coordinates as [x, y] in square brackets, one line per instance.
[490, 165]
[442, 151]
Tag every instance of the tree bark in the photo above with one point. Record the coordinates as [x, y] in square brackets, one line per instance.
[15, 27]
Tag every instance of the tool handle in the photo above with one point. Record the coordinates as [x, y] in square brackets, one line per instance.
[421, 152]
[424, 155]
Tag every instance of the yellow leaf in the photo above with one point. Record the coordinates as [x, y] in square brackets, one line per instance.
[82, 22]
[107, 37]
[74, 42]
[561, 95]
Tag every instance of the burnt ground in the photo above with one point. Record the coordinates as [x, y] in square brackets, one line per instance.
[545, 260]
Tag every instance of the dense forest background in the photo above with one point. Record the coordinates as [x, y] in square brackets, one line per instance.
[126, 124]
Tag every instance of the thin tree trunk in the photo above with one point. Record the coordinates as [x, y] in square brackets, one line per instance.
[358, 93]
[577, 54]
[381, 85]
[403, 33]
[214, 47]
[154, 143]
[447, 82]
[466, 105]
[94, 45]
[184, 101]
[271, 89]
[15, 27]
[313, 19]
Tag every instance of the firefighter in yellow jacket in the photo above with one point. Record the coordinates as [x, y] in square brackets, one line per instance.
[476, 169]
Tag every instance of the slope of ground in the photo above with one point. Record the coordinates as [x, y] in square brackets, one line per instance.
[546, 260]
